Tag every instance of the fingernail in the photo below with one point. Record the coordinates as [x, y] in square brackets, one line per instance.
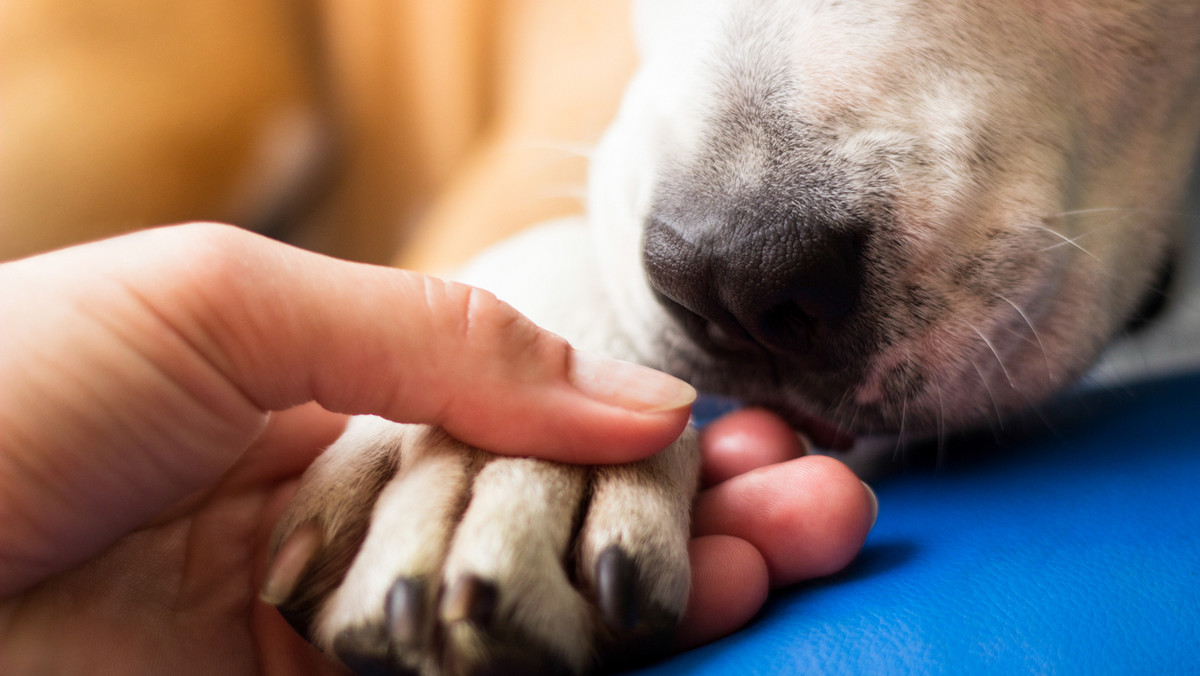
[290, 564]
[627, 385]
[874, 503]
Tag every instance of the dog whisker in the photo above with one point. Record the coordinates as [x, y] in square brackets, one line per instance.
[826, 235]
[987, 388]
[840, 406]
[1065, 241]
[1032, 331]
[1169, 188]
[854, 411]
[995, 353]
[900, 433]
[1124, 211]
[1037, 411]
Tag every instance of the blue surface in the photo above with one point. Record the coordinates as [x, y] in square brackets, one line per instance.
[1076, 551]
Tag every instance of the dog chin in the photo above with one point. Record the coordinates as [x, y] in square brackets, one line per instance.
[757, 384]
[815, 404]
[821, 432]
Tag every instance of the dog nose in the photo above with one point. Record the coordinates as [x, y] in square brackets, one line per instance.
[743, 279]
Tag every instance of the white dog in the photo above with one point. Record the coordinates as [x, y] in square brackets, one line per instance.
[873, 216]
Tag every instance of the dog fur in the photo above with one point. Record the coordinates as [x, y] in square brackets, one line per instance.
[874, 216]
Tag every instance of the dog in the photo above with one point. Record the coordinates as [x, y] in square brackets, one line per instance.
[875, 217]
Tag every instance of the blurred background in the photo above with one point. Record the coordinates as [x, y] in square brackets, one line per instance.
[402, 131]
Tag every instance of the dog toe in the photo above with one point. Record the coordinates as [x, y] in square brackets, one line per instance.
[637, 628]
[633, 552]
[319, 534]
[616, 589]
[365, 651]
[406, 613]
[450, 561]
[509, 600]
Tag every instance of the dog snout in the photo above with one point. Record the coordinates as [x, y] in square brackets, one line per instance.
[747, 279]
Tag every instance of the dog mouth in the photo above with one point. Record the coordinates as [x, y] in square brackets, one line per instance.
[736, 376]
[822, 433]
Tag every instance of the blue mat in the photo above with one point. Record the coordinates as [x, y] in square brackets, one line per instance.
[1072, 551]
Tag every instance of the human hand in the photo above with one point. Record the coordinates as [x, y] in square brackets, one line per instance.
[768, 516]
[139, 370]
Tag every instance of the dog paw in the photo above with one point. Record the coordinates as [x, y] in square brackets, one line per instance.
[407, 552]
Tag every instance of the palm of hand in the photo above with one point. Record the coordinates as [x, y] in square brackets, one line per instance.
[180, 594]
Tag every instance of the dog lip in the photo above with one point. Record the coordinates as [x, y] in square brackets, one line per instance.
[821, 433]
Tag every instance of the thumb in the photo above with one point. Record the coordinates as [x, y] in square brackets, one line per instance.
[289, 326]
[138, 369]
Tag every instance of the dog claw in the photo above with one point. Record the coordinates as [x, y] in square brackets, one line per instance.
[616, 588]
[404, 612]
[640, 629]
[290, 564]
[364, 650]
[469, 599]
[521, 665]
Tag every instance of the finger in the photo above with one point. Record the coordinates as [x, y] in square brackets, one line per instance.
[288, 326]
[137, 370]
[291, 441]
[745, 440]
[729, 585]
[808, 517]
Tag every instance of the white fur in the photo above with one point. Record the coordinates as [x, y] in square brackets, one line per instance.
[1023, 162]
[1090, 112]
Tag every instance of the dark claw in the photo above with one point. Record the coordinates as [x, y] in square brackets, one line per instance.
[644, 643]
[616, 588]
[404, 612]
[639, 630]
[649, 641]
[470, 599]
[365, 651]
[521, 665]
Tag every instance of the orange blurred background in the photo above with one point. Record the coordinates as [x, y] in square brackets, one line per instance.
[406, 131]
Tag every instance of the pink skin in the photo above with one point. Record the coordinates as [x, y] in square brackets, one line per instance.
[759, 485]
[746, 440]
[142, 468]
